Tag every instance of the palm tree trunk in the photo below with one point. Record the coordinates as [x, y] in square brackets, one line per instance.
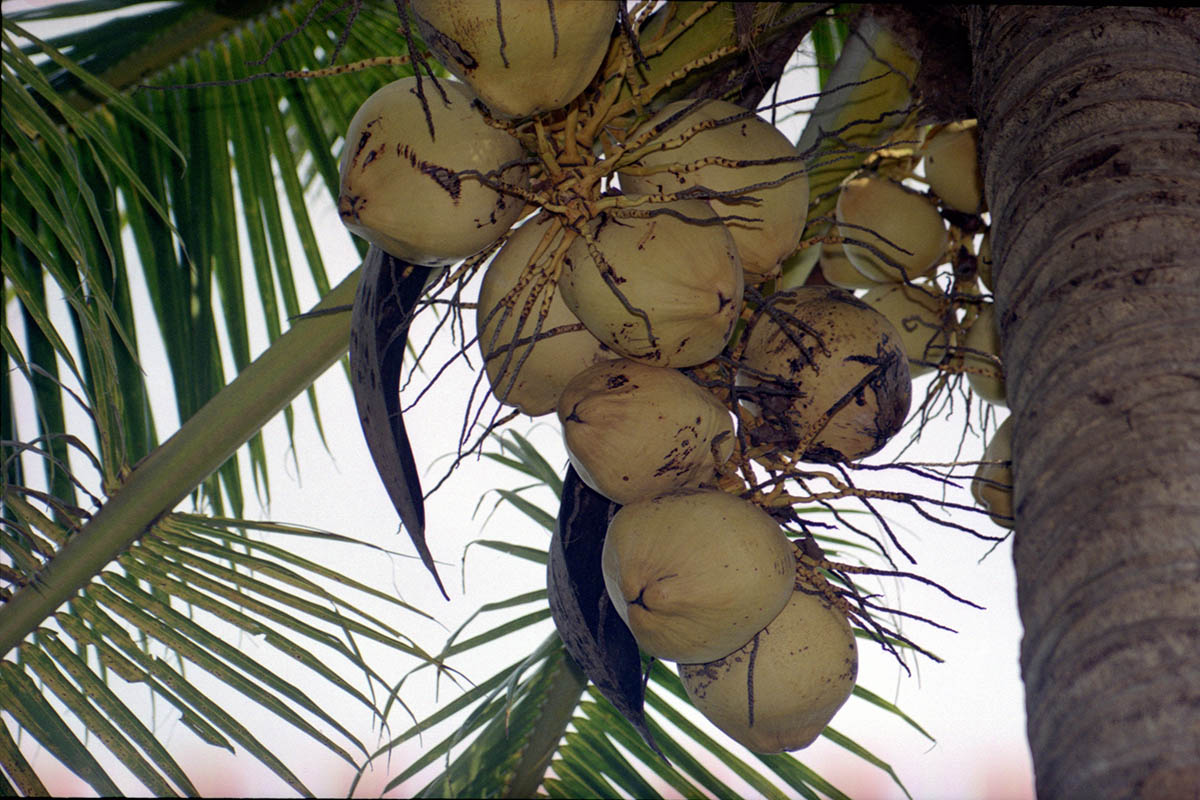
[1090, 123]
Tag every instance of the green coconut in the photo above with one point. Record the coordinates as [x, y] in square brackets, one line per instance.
[827, 372]
[525, 371]
[403, 190]
[984, 261]
[993, 481]
[780, 690]
[951, 166]
[695, 574]
[765, 222]
[980, 354]
[520, 56]
[915, 310]
[797, 267]
[841, 272]
[679, 279]
[903, 226]
[633, 431]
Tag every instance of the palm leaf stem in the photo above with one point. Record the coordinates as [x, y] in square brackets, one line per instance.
[194, 29]
[174, 469]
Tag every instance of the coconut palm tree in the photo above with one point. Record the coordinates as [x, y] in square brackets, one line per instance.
[102, 571]
[127, 161]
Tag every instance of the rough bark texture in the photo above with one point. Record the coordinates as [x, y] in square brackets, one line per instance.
[1090, 123]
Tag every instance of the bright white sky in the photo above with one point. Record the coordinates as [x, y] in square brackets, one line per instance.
[972, 704]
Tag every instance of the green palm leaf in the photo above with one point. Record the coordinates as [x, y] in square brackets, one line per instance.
[197, 178]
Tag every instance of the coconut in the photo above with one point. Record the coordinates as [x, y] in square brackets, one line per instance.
[779, 691]
[984, 261]
[915, 310]
[951, 166]
[840, 272]
[529, 374]
[798, 267]
[981, 349]
[827, 372]
[992, 485]
[903, 226]
[402, 189]
[678, 269]
[695, 574]
[634, 431]
[765, 222]
[520, 57]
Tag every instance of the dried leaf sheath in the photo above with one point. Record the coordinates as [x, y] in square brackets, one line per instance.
[592, 631]
[383, 310]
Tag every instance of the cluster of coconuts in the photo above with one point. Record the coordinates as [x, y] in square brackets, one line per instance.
[703, 577]
[896, 237]
[952, 169]
[709, 580]
[421, 165]
[595, 316]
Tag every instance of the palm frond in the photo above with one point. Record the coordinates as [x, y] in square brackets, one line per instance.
[106, 588]
[185, 590]
[829, 34]
[203, 176]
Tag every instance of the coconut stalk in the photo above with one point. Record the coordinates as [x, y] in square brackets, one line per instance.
[756, 39]
[176, 467]
[868, 98]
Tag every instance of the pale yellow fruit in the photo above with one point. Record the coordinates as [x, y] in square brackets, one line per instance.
[838, 382]
[521, 57]
[529, 374]
[680, 269]
[633, 431]
[695, 574]
[984, 262]
[905, 227]
[915, 310]
[981, 343]
[776, 214]
[838, 270]
[797, 267]
[951, 166]
[403, 191]
[992, 485]
[782, 688]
